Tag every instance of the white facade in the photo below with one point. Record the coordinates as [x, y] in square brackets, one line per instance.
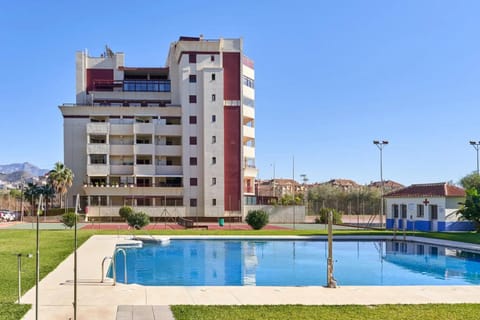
[155, 138]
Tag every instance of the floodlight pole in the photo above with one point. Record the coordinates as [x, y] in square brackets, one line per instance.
[476, 146]
[380, 145]
[77, 204]
[37, 257]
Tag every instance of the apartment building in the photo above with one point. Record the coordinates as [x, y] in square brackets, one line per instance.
[177, 140]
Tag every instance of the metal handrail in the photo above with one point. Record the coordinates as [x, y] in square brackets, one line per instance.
[103, 269]
[124, 263]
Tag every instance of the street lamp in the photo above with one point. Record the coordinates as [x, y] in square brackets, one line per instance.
[19, 264]
[380, 145]
[475, 145]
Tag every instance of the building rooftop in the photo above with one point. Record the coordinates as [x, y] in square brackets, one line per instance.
[442, 189]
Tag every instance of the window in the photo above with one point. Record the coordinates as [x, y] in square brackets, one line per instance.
[193, 161]
[403, 210]
[433, 212]
[98, 159]
[214, 118]
[192, 99]
[193, 141]
[214, 139]
[213, 76]
[192, 58]
[214, 160]
[193, 202]
[248, 82]
[420, 210]
[395, 210]
[212, 58]
[214, 202]
[192, 120]
[193, 181]
[214, 97]
[192, 78]
[98, 139]
[214, 181]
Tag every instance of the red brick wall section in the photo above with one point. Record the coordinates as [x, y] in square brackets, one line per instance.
[232, 164]
[231, 75]
[232, 138]
[98, 74]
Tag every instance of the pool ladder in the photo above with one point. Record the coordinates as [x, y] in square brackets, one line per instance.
[114, 264]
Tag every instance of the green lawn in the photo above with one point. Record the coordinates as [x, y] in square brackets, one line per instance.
[56, 245]
[380, 312]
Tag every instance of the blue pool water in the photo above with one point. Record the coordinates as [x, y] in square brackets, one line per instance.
[296, 263]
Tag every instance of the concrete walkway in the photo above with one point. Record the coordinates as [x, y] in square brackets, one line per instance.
[97, 300]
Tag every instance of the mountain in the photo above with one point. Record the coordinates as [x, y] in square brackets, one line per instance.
[16, 171]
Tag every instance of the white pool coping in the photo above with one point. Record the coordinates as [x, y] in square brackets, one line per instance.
[98, 300]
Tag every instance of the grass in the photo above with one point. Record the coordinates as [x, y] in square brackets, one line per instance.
[297, 312]
[56, 245]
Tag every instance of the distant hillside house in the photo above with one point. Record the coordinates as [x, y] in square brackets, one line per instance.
[426, 207]
[388, 185]
[344, 184]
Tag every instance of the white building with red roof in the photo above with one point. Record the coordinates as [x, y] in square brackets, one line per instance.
[426, 207]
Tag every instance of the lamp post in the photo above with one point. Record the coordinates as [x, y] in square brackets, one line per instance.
[380, 145]
[19, 265]
[475, 145]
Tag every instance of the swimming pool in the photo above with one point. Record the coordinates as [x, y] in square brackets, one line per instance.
[296, 263]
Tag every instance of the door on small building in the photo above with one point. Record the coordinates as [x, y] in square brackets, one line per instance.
[395, 216]
[403, 221]
[433, 215]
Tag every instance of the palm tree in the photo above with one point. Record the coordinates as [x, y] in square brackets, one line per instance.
[61, 178]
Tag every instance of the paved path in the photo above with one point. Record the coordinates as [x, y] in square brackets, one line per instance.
[97, 300]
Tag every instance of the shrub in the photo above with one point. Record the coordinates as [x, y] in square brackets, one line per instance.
[68, 219]
[323, 216]
[257, 219]
[138, 220]
[125, 211]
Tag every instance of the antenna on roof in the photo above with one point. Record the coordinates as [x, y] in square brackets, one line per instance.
[108, 52]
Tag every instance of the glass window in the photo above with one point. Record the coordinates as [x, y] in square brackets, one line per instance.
[214, 160]
[213, 76]
[214, 118]
[192, 99]
[193, 181]
[420, 210]
[214, 97]
[192, 58]
[214, 181]
[193, 202]
[193, 161]
[395, 210]
[433, 212]
[403, 209]
[214, 202]
[193, 120]
[214, 139]
[192, 78]
[193, 140]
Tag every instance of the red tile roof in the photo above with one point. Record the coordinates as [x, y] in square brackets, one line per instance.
[442, 189]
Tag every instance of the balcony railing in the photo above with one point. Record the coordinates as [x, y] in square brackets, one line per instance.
[133, 85]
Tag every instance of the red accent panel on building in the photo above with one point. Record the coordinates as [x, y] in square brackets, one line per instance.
[232, 165]
[98, 75]
[231, 75]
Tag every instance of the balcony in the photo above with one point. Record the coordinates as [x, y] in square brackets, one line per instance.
[248, 112]
[144, 170]
[144, 149]
[248, 132]
[132, 85]
[132, 190]
[121, 129]
[168, 130]
[143, 128]
[121, 149]
[121, 169]
[98, 170]
[168, 150]
[248, 152]
[97, 128]
[250, 172]
[169, 170]
[97, 148]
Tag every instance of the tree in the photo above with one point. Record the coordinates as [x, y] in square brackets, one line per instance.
[125, 211]
[61, 178]
[257, 219]
[470, 209]
[471, 181]
[138, 220]
[68, 219]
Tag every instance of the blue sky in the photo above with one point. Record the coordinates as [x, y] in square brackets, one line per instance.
[331, 76]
